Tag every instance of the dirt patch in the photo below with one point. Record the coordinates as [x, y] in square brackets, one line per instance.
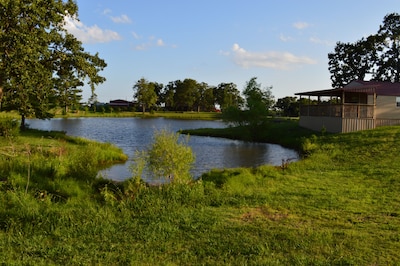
[264, 213]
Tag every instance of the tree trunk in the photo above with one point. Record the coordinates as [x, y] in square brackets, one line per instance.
[22, 126]
[1, 94]
[1, 89]
[143, 108]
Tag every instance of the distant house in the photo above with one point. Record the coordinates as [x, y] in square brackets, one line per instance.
[360, 105]
[123, 104]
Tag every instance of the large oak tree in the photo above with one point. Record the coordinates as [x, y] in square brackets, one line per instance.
[378, 55]
[41, 64]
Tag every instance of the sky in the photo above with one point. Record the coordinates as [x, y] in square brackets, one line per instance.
[284, 43]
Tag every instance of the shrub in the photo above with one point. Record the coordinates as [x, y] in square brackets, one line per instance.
[166, 159]
[9, 127]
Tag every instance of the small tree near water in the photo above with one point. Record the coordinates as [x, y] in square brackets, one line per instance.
[166, 159]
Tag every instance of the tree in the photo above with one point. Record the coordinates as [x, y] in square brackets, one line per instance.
[258, 104]
[350, 62]
[227, 95]
[377, 55]
[205, 100]
[168, 96]
[145, 93]
[389, 44]
[186, 93]
[38, 57]
[289, 106]
[158, 88]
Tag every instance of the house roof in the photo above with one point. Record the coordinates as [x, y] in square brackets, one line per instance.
[360, 86]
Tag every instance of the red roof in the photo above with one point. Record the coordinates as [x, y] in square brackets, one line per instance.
[369, 87]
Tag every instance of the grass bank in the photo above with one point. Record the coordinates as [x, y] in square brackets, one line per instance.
[51, 162]
[285, 132]
[340, 206]
[175, 115]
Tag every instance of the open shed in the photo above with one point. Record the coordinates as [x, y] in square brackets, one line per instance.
[360, 105]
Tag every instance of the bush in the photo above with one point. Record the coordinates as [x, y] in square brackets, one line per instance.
[9, 127]
[166, 159]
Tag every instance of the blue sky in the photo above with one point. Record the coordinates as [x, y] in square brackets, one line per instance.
[285, 44]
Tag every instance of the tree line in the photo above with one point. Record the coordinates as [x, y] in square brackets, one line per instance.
[186, 95]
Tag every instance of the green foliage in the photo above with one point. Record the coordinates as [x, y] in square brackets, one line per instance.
[166, 159]
[255, 114]
[145, 93]
[288, 106]
[227, 95]
[377, 54]
[9, 127]
[41, 64]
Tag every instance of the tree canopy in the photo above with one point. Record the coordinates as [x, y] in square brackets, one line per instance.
[377, 55]
[258, 104]
[41, 64]
[145, 93]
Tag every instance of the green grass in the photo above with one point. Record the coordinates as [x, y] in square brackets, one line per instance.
[285, 132]
[338, 206]
[166, 114]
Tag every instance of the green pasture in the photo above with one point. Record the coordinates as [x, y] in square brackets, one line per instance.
[339, 205]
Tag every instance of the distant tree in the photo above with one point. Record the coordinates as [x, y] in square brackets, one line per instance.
[227, 95]
[288, 106]
[168, 96]
[377, 55]
[145, 94]
[38, 56]
[158, 88]
[258, 106]
[92, 101]
[205, 98]
[258, 102]
[186, 93]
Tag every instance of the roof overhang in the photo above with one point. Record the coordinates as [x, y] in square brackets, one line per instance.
[385, 88]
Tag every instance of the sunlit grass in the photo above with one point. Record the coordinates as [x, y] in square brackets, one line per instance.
[338, 206]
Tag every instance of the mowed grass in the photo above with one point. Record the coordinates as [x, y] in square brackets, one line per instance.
[340, 205]
[166, 114]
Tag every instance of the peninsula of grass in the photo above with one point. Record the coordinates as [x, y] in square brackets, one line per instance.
[165, 114]
[338, 206]
[285, 132]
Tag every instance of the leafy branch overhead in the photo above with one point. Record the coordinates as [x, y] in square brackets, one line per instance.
[41, 64]
[377, 55]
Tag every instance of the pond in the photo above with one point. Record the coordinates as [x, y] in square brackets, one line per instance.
[131, 134]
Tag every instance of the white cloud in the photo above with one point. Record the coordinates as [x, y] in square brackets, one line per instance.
[301, 25]
[121, 19]
[92, 34]
[136, 36]
[152, 41]
[285, 38]
[272, 59]
[160, 42]
[319, 41]
[107, 11]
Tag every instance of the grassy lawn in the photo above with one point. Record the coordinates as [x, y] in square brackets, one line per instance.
[166, 114]
[339, 205]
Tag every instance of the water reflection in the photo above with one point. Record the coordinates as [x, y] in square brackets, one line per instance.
[132, 134]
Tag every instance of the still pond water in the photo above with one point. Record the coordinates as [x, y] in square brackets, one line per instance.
[132, 134]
